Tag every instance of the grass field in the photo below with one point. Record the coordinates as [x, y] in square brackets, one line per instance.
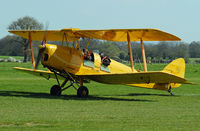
[25, 104]
[16, 57]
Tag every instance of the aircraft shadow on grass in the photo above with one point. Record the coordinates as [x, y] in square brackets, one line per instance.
[65, 97]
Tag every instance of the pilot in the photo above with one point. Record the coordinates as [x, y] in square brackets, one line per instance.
[87, 55]
[105, 60]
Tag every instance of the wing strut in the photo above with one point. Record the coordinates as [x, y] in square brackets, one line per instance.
[73, 44]
[130, 51]
[65, 39]
[143, 56]
[88, 44]
[32, 53]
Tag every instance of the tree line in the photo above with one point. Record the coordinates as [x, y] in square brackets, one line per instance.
[12, 45]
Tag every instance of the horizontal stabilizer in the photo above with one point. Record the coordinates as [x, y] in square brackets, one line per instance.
[187, 82]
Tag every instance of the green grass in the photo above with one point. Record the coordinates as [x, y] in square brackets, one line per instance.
[16, 57]
[25, 104]
[192, 60]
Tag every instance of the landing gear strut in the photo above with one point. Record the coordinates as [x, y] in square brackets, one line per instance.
[56, 90]
[170, 91]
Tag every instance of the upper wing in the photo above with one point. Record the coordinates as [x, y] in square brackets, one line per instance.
[134, 34]
[109, 34]
[137, 78]
[51, 35]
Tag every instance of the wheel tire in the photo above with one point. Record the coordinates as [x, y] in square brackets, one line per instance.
[82, 91]
[55, 90]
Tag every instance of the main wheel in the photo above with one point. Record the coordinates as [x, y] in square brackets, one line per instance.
[55, 90]
[82, 91]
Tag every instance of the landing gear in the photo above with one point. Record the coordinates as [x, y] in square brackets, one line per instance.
[55, 90]
[170, 91]
[82, 91]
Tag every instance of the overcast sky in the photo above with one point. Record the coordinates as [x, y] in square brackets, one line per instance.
[179, 17]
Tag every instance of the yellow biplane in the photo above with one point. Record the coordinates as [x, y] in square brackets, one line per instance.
[78, 66]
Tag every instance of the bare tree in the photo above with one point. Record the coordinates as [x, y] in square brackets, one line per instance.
[25, 23]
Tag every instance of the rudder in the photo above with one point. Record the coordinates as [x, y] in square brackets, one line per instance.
[176, 67]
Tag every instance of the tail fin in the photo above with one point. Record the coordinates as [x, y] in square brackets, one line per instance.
[176, 67]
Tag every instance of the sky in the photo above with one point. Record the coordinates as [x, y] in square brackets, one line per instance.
[178, 17]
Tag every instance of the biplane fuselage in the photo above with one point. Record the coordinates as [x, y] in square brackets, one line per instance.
[71, 60]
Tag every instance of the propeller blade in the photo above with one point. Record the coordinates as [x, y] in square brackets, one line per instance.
[45, 34]
[42, 48]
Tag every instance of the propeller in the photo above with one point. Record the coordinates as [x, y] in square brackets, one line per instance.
[41, 49]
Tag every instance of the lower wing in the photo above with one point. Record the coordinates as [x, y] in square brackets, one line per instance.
[137, 78]
[45, 74]
[120, 78]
